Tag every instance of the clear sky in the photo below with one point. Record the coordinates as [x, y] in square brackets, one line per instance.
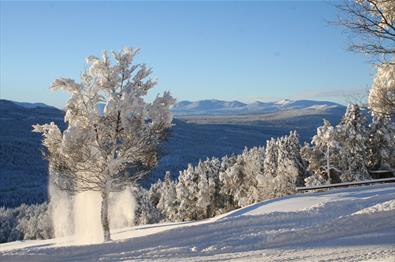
[225, 50]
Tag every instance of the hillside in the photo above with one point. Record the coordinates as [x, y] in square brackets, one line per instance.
[353, 224]
[24, 172]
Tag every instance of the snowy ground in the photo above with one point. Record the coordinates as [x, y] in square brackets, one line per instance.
[353, 224]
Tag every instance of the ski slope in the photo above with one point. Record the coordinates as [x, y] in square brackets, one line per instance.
[352, 224]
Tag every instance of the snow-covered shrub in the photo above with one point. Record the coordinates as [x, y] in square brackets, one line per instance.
[25, 222]
[35, 223]
[316, 180]
[145, 212]
[8, 224]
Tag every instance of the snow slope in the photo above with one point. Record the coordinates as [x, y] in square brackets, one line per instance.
[353, 224]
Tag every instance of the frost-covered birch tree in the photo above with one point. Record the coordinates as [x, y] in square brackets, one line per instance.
[100, 144]
[381, 98]
[322, 156]
[372, 27]
[371, 24]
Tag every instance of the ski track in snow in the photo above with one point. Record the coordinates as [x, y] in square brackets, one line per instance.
[352, 224]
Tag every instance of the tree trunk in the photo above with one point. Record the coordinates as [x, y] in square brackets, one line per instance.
[104, 216]
[328, 167]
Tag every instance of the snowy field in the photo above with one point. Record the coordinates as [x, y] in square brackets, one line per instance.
[353, 224]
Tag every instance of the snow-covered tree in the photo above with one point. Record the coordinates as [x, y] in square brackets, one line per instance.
[290, 166]
[372, 27]
[270, 162]
[155, 192]
[35, 223]
[168, 204]
[187, 194]
[322, 156]
[206, 191]
[209, 198]
[232, 180]
[294, 148]
[227, 162]
[271, 155]
[242, 181]
[371, 24]
[25, 222]
[99, 145]
[381, 143]
[146, 212]
[254, 174]
[353, 136]
[381, 98]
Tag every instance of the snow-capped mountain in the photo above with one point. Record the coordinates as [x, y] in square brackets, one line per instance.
[219, 107]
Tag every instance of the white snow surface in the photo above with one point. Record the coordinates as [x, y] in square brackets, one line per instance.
[352, 224]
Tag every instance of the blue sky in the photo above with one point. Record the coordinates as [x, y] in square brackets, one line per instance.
[225, 50]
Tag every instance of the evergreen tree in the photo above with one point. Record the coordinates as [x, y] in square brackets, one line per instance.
[232, 180]
[146, 212]
[187, 193]
[168, 204]
[381, 143]
[209, 199]
[155, 192]
[290, 168]
[353, 136]
[271, 156]
[254, 174]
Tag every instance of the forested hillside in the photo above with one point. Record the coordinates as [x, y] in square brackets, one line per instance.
[24, 172]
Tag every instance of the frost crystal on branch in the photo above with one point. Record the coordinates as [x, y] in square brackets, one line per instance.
[382, 94]
[372, 26]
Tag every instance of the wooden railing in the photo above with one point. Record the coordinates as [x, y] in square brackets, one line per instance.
[366, 182]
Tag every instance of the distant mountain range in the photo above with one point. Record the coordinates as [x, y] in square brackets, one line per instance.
[223, 108]
[32, 105]
[219, 107]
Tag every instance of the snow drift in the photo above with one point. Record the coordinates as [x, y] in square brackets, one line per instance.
[350, 224]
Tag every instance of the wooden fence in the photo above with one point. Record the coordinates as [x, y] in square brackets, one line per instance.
[366, 182]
